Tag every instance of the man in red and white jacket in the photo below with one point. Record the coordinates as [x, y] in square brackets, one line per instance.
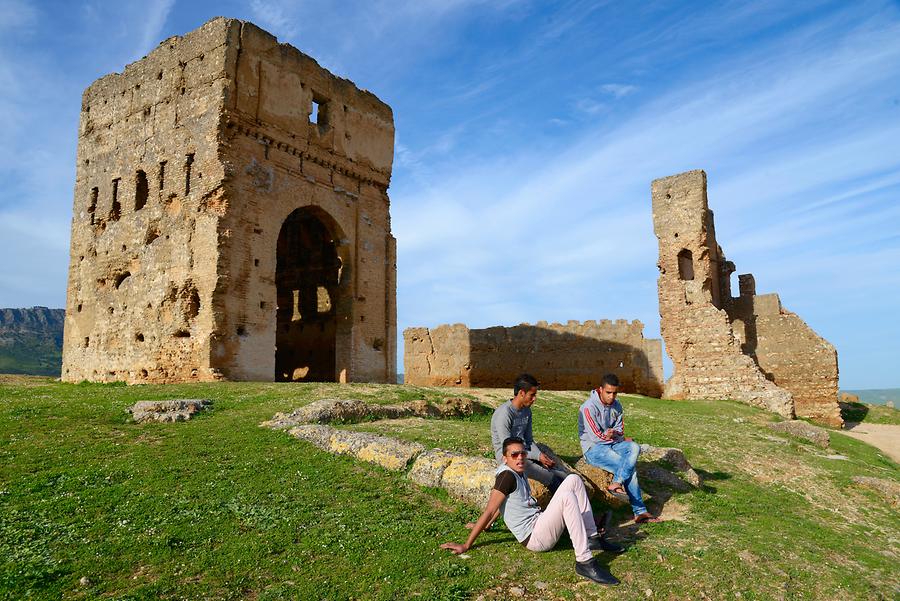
[601, 430]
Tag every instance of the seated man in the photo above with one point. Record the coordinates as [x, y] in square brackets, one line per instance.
[513, 419]
[601, 430]
[540, 530]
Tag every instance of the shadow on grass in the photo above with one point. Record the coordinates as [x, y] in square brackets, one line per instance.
[705, 477]
[853, 412]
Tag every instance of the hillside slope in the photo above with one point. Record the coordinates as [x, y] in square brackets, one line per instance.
[220, 508]
[31, 341]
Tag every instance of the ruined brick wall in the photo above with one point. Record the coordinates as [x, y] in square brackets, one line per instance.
[788, 352]
[562, 357]
[697, 309]
[192, 163]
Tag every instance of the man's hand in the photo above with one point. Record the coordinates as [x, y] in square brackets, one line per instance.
[455, 548]
[546, 461]
[609, 434]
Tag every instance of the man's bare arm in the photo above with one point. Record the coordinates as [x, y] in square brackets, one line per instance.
[493, 507]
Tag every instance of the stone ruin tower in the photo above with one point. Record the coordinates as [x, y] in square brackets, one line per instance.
[231, 219]
[748, 347]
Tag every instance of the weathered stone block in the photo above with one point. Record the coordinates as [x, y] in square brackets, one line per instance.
[428, 468]
[177, 410]
[470, 479]
[317, 434]
[599, 479]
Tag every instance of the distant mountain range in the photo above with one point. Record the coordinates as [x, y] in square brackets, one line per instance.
[31, 341]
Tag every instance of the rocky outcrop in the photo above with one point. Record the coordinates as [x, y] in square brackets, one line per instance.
[177, 410]
[327, 411]
[888, 489]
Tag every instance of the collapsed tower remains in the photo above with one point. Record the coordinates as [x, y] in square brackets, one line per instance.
[748, 347]
[562, 357]
[231, 219]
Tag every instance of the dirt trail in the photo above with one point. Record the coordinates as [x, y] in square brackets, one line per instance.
[885, 437]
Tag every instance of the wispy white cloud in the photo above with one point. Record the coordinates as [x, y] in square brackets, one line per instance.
[156, 14]
[617, 90]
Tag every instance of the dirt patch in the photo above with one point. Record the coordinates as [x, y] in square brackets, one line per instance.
[885, 437]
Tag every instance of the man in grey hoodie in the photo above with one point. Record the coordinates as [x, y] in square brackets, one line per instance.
[513, 419]
[601, 430]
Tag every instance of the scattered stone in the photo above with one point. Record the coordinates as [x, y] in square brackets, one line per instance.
[801, 429]
[889, 489]
[84, 581]
[177, 410]
[541, 586]
[738, 420]
[648, 593]
[837, 457]
[517, 591]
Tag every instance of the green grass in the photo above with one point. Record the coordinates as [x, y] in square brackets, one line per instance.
[219, 508]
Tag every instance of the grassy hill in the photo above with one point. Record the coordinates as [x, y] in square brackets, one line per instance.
[219, 508]
[31, 341]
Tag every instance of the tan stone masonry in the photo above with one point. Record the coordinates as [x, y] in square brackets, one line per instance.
[748, 347]
[231, 219]
[573, 356]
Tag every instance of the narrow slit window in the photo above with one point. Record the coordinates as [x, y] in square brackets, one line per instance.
[92, 206]
[116, 211]
[141, 190]
[162, 175]
[319, 114]
[189, 161]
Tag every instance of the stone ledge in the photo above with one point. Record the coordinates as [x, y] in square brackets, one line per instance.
[800, 429]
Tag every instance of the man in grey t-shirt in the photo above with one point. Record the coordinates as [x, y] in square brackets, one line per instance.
[513, 419]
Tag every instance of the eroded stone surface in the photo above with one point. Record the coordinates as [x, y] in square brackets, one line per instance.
[470, 479]
[814, 434]
[428, 468]
[177, 410]
[748, 347]
[351, 410]
[231, 199]
[387, 452]
[564, 357]
[599, 479]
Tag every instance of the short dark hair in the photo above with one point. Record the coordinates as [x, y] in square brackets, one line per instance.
[611, 379]
[512, 440]
[524, 382]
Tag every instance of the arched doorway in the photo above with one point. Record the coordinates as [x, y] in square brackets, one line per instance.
[311, 286]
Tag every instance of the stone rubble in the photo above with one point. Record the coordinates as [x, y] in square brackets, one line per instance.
[177, 410]
[814, 434]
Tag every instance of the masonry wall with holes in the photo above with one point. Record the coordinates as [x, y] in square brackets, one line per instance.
[571, 356]
[231, 219]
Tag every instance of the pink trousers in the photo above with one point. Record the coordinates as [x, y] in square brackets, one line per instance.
[570, 509]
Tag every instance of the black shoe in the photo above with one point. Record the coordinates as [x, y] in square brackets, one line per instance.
[593, 571]
[598, 542]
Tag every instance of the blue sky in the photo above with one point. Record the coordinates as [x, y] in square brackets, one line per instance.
[528, 132]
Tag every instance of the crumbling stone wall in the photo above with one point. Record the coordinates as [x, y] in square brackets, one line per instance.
[562, 357]
[746, 348]
[231, 198]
